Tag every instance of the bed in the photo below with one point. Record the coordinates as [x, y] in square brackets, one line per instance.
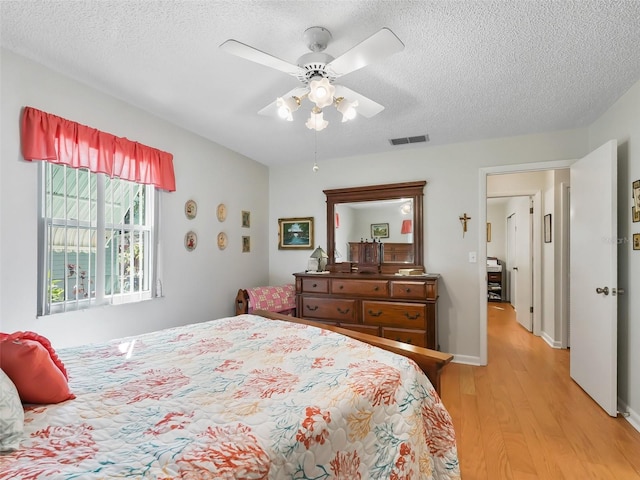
[245, 397]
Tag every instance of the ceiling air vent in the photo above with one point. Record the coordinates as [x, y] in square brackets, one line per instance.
[405, 140]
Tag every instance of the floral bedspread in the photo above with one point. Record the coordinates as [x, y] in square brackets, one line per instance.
[238, 398]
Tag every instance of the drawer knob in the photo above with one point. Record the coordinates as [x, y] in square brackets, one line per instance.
[314, 285]
[343, 311]
[407, 290]
[398, 339]
[411, 317]
[376, 288]
[341, 287]
[375, 314]
[313, 308]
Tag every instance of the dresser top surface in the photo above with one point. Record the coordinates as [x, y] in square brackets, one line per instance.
[369, 276]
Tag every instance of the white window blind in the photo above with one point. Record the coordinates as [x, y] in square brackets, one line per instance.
[96, 240]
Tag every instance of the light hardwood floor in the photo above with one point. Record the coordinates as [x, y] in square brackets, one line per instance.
[522, 417]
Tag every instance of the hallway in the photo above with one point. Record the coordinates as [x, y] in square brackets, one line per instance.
[522, 417]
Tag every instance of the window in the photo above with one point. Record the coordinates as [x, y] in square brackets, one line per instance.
[96, 240]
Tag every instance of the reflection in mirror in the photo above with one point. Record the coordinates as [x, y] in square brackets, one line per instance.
[387, 221]
[390, 214]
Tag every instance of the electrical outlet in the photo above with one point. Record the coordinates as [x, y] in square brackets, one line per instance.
[472, 257]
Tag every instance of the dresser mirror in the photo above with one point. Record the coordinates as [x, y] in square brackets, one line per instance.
[390, 214]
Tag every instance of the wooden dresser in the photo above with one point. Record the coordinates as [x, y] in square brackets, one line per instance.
[402, 308]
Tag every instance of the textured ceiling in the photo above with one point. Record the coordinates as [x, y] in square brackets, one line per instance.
[469, 70]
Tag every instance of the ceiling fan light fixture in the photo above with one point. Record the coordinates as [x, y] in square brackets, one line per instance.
[287, 106]
[316, 120]
[346, 108]
[321, 92]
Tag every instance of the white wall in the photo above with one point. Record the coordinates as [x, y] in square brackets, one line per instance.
[452, 174]
[622, 122]
[197, 286]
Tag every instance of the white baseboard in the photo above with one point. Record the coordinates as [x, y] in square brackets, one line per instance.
[552, 343]
[467, 360]
[633, 418]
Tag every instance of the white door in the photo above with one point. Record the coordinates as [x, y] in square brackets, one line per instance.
[520, 250]
[511, 258]
[593, 274]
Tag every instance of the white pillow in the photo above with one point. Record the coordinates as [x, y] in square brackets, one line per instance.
[11, 415]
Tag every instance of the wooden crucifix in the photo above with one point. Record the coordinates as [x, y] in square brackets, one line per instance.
[463, 220]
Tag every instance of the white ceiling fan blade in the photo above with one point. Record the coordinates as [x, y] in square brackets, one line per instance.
[378, 46]
[366, 107]
[271, 110]
[247, 52]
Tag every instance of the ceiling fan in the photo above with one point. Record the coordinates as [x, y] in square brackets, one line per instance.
[318, 70]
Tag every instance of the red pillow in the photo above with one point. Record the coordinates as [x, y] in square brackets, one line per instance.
[33, 366]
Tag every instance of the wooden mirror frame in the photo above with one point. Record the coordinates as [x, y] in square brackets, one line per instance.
[390, 191]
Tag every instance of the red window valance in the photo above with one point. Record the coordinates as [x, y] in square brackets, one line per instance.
[54, 139]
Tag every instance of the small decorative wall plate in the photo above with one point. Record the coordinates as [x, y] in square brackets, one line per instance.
[190, 241]
[221, 212]
[190, 209]
[222, 240]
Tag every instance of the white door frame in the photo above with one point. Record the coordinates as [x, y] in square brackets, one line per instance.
[565, 204]
[482, 240]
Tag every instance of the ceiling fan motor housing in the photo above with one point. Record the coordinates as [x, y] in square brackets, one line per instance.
[314, 65]
[317, 38]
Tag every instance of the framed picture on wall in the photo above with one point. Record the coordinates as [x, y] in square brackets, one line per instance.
[547, 228]
[246, 219]
[379, 230]
[635, 194]
[295, 233]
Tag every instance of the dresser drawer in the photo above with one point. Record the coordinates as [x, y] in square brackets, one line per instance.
[409, 290]
[395, 314]
[495, 276]
[413, 337]
[339, 309]
[368, 288]
[315, 285]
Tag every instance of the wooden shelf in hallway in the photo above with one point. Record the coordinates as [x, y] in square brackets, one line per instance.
[522, 417]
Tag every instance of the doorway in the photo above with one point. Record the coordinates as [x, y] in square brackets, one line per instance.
[514, 186]
[593, 312]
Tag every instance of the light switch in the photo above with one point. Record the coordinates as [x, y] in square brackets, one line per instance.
[472, 257]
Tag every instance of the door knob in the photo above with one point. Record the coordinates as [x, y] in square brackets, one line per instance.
[604, 290]
[515, 268]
